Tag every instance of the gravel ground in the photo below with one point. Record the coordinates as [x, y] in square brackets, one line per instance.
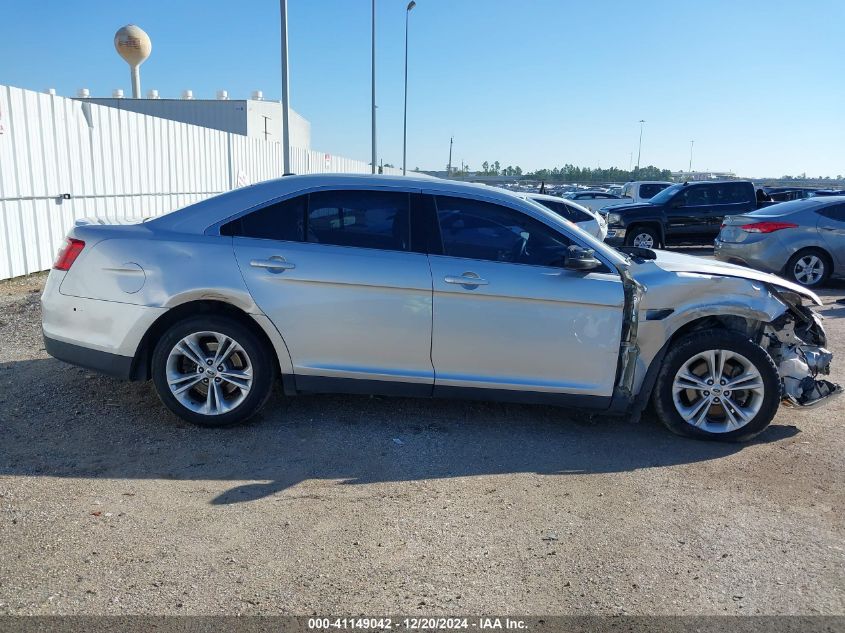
[355, 505]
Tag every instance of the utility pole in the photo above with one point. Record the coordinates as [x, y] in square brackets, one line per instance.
[410, 6]
[449, 166]
[374, 87]
[283, 5]
[639, 151]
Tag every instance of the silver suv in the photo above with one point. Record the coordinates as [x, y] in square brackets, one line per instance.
[373, 284]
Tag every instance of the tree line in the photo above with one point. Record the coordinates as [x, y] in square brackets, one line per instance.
[570, 173]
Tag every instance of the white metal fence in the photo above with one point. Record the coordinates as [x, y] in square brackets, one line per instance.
[61, 160]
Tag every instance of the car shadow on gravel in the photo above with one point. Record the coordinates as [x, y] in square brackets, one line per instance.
[60, 421]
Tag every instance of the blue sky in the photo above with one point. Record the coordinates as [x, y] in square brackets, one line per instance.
[537, 83]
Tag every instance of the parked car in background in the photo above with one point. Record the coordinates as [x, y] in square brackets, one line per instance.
[688, 213]
[804, 240]
[593, 200]
[585, 219]
[785, 194]
[410, 286]
[641, 191]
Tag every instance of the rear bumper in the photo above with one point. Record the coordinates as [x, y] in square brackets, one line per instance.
[765, 255]
[103, 362]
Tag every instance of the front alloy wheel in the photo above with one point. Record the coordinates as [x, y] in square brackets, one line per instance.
[212, 370]
[718, 391]
[717, 384]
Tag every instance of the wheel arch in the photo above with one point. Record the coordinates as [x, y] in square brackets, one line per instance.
[741, 319]
[656, 225]
[808, 248]
[260, 325]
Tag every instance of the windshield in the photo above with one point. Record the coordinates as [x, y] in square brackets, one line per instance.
[666, 194]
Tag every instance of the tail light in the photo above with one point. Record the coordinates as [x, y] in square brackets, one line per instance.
[68, 253]
[767, 227]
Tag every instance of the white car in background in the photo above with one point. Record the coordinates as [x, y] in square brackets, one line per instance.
[639, 191]
[585, 219]
[593, 199]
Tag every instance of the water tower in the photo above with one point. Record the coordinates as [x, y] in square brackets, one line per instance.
[134, 46]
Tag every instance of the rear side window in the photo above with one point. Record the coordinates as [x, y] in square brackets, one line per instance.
[280, 221]
[365, 219]
[649, 190]
[835, 212]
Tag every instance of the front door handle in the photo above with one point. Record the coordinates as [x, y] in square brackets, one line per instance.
[274, 264]
[467, 279]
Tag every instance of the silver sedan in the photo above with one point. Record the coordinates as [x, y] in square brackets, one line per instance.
[803, 239]
[404, 286]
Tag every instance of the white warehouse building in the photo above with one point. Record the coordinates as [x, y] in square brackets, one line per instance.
[255, 118]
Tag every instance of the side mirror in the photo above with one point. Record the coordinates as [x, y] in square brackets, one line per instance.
[577, 258]
[676, 203]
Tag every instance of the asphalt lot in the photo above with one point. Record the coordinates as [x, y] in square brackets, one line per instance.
[354, 505]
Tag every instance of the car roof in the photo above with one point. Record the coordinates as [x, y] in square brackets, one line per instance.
[197, 216]
[803, 204]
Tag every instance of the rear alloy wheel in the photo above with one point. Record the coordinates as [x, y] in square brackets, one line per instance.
[642, 237]
[717, 385]
[809, 268]
[212, 371]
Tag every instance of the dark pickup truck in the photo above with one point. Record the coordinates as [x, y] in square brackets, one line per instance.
[685, 213]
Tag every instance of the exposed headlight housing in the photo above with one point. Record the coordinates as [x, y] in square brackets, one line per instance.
[614, 218]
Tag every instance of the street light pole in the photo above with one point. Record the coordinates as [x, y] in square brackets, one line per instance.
[449, 165]
[374, 87]
[639, 151]
[410, 6]
[690, 155]
[283, 6]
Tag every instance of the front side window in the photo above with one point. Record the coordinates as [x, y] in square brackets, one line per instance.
[365, 219]
[565, 211]
[482, 230]
[697, 196]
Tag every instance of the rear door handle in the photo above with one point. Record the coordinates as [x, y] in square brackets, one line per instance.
[276, 263]
[467, 279]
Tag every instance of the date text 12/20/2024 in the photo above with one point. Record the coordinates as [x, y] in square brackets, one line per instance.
[416, 623]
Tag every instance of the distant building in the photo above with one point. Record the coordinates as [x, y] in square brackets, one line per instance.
[683, 176]
[255, 118]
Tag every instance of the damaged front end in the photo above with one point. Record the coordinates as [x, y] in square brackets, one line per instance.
[795, 341]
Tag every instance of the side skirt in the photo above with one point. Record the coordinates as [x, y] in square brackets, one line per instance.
[320, 384]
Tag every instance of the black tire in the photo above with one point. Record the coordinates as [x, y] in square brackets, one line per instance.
[804, 254]
[638, 230]
[257, 358]
[686, 349]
